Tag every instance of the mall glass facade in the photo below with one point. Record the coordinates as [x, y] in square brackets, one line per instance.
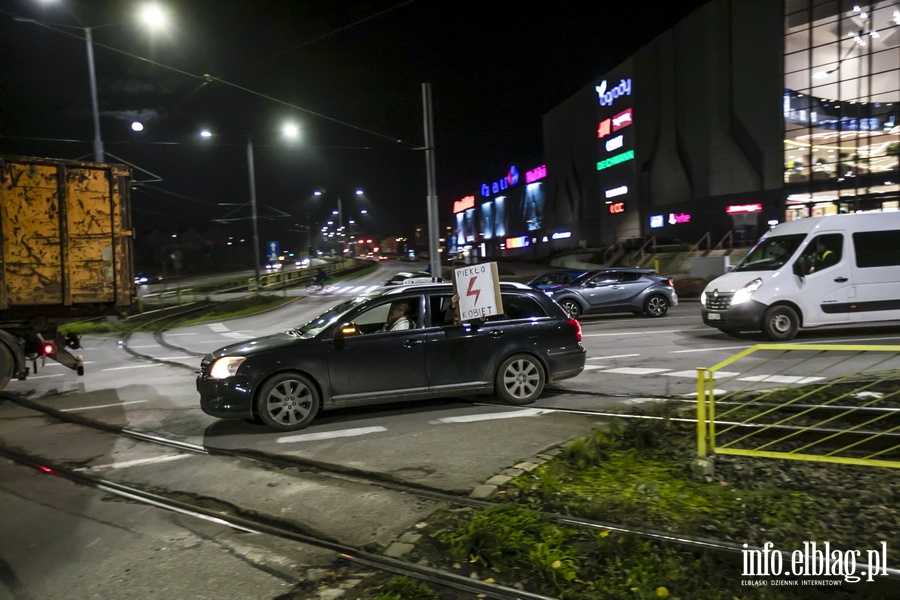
[841, 106]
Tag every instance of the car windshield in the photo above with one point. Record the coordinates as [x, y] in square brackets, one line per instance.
[582, 278]
[316, 325]
[771, 253]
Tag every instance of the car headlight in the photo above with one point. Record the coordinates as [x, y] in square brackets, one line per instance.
[744, 294]
[226, 367]
[703, 298]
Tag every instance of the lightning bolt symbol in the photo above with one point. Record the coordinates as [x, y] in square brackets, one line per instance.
[471, 292]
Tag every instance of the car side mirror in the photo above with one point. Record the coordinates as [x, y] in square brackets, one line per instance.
[348, 330]
[801, 266]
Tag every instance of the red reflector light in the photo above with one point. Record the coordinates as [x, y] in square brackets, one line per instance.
[574, 324]
[48, 348]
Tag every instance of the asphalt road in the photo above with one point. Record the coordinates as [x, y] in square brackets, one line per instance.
[453, 444]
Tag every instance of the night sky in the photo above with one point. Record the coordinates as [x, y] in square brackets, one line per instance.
[350, 74]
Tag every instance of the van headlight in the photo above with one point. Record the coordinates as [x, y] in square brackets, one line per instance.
[744, 294]
[226, 367]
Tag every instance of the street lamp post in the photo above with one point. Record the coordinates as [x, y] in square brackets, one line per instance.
[252, 175]
[152, 16]
[99, 154]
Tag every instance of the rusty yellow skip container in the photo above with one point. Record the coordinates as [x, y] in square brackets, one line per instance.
[66, 238]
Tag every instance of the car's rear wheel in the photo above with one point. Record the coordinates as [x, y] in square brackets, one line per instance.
[520, 380]
[656, 306]
[572, 308]
[287, 402]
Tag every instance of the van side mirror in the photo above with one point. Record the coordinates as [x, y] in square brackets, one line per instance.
[801, 266]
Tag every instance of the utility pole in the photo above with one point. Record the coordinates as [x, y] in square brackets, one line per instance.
[434, 258]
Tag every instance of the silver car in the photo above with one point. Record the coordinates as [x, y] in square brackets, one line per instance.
[617, 289]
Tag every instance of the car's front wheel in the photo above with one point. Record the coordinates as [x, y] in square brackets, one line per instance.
[781, 323]
[520, 380]
[656, 306]
[572, 308]
[287, 402]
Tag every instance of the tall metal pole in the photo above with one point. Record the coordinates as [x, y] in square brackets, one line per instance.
[99, 155]
[433, 217]
[253, 209]
[341, 226]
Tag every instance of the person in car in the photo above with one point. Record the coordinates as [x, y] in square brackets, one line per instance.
[398, 317]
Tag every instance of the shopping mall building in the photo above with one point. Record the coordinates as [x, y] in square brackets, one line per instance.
[742, 115]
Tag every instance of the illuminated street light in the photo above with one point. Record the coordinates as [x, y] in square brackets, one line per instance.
[151, 15]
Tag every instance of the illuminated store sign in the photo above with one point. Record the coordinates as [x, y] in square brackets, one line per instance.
[615, 143]
[517, 242]
[623, 119]
[614, 160]
[607, 97]
[511, 179]
[743, 208]
[561, 235]
[463, 204]
[618, 191]
[657, 221]
[617, 208]
[535, 174]
[676, 218]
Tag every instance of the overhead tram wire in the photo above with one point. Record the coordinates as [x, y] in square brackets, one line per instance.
[206, 78]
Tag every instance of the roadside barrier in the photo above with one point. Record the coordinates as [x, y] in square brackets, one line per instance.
[822, 403]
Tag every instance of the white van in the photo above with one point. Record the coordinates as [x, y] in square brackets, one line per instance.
[812, 272]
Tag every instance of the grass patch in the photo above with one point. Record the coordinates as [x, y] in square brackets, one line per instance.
[637, 473]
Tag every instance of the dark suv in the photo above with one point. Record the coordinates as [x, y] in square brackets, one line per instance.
[617, 289]
[345, 357]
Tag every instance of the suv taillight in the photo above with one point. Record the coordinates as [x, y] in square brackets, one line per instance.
[574, 324]
[669, 282]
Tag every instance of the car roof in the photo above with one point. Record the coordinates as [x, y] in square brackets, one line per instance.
[448, 287]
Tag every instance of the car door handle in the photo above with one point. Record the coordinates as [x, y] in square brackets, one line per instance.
[497, 333]
[411, 343]
[840, 279]
[616, 287]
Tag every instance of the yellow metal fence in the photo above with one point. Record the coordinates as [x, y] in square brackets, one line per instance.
[824, 403]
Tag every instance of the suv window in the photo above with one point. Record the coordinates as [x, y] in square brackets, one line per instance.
[520, 306]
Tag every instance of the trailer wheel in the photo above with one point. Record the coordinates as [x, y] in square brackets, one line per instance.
[7, 365]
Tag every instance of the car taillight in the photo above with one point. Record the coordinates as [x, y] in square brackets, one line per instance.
[669, 282]
[574, 324]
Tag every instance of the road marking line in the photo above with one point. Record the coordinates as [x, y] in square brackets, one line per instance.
[613, 356]
[327, 435]
[710, 349]
[635, 333]
[592, 367]
[130, 367]
[781, 379]
[30, 377]
[134, 463]
[101, 406]
[693, 374]
[217, 327]
[177, 334]
[634, 371]
[528, 412]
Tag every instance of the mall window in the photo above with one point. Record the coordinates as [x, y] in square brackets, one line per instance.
[841, 106]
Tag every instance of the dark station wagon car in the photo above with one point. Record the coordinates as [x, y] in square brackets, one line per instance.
[344, 357]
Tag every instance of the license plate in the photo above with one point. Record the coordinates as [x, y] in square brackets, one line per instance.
[714, 317]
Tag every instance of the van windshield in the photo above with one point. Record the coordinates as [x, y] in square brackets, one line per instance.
[771, 253]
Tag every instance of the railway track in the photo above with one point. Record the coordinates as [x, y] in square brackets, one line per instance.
[247, 518]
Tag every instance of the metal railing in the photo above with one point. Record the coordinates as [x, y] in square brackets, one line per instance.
[822, 403]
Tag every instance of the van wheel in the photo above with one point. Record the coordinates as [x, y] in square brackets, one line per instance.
[520, 380]
[780, 323]
[287, 402]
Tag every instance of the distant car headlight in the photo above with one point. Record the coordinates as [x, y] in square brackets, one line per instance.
[226, 367]
[744, 294]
